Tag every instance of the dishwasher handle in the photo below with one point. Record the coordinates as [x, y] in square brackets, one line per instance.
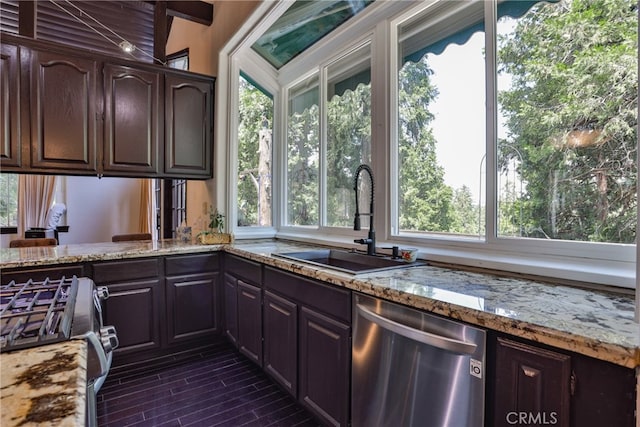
[427, 338]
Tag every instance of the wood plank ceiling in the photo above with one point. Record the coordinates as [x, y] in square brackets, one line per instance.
[146, 24]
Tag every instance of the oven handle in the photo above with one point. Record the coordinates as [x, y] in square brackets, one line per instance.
[97, 345]
[428, 338]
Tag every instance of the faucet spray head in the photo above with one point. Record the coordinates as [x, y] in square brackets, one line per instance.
[356, 222]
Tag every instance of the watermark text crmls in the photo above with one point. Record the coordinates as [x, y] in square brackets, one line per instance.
[532, 418]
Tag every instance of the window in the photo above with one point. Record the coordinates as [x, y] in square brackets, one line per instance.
[506, 143]
[441, 121]
[254, 155]
[179, 60]
[567, 144]
[348, 133]
[303, 153]
[347, 99]
[9, 203]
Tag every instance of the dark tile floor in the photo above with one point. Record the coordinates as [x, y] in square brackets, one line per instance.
[216, 386]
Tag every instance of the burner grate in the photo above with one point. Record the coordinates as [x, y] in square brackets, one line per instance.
[35, 313]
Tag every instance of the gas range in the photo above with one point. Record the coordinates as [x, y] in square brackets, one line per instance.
[45, 312]
[36, 313]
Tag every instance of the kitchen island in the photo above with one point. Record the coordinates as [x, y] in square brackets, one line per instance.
[44, 386]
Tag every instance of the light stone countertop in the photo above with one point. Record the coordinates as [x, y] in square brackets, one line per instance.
[44, 386]
[592, 323]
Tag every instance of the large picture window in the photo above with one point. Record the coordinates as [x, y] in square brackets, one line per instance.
[568, 105]
[502, 134]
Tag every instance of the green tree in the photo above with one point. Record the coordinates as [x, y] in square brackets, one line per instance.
[302, 167]
[255, 114]
[425, 201]
[572, 115]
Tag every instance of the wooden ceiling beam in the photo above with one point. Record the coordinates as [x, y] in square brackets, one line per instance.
[195, 11]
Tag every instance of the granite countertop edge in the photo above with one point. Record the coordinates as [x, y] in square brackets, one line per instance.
[623, 351]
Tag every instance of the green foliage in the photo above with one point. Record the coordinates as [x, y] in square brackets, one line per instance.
[255, 109]
[302, 167]
[9, 200]
[574, 67]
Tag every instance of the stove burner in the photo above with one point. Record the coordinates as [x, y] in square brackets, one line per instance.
[36, 313]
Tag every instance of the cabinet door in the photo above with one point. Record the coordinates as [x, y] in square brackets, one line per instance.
[324, 367]
[231, 308]
[135, 309]
[10, 106]
[281, 341]
[133, 114]
[250, 321]
[533, 383]
[189, 129]
[191, 307]
[63, 112]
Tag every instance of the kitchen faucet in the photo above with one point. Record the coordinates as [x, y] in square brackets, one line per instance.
[370, 241]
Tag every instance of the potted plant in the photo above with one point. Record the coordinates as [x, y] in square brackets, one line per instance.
[214, 235]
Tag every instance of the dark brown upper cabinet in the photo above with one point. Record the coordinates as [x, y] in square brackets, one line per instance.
[9, 105]
[63, 112]
[72, 112]
[188, 121]
[133, 136]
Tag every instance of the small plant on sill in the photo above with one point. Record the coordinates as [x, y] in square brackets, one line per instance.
[214, 234]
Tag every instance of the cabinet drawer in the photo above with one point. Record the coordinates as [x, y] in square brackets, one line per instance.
[185, 264]
[244, 269]
[39, 274]
[126, 270]
[329, 299]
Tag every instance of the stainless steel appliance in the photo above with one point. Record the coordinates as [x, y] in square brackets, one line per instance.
[44, 312]
[412, 368]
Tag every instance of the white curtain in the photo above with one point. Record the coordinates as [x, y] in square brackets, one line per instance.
[147, 207]
[35, 198]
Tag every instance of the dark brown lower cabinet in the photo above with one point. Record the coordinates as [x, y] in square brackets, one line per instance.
[532, 385]
[250, 321]
[135, 309]
[136, 303]
[537, 385]
[325, 366]
[281, 341]
[191, 307]
[307, 342]
[231, 308]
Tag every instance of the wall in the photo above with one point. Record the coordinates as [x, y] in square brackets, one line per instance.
[99, 208]
[204, 43]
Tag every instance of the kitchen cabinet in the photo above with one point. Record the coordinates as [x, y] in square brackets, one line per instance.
[191, 285]
[531, 380]
[281, 341]
[21, 275]
[133, 133]
[189, 125]
[135, 304]
[10, 104]
[63, 108]
[250, 321]
[68, 111]
[322, 336]
[545, 386]
[243, 305]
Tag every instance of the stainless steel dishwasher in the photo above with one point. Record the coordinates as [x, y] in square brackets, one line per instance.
[412, 368]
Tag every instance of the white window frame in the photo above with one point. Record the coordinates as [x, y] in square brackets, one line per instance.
[599, 263]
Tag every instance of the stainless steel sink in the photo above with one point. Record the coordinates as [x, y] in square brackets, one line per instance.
[347, 262]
